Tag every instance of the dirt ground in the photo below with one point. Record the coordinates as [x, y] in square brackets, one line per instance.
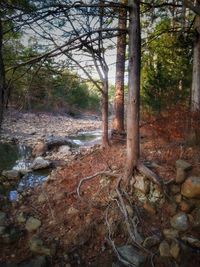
[76, 226]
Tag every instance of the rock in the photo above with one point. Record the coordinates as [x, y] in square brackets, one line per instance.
[40, 163]
[149, 208]
[2, 218]
[180, 175]
[21, 217]
[72, 211]
[32, 224]
[175, 250]
[164, 249]
[194, 242]
[174, 189]
[39, 261]
[141, 184]
[11, 174]
[41, 198]
[184, 165]
[155, 194]
[132, 255]
[36, 246]
[65, 150]
[191, 187]
[171, 208]
[151, 241]
[178, 198]
[196, 223]
[185, 206]
[180, 221]
[55, 141]
[39, 149]
[170, 233]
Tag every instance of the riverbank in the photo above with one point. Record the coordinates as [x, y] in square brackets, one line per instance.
[29, 128]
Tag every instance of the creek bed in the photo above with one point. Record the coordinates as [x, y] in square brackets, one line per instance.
[17, 157]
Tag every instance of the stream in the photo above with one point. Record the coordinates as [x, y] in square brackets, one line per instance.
[17, 157]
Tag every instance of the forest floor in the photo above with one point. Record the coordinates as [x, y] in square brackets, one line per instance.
[75, 229]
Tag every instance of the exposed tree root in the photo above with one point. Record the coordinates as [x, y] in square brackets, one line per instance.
[148, 173]
[107, 173]
[121, 199]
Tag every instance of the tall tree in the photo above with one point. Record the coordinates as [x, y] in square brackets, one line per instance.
[133, 139]
[195, 103]
[118, 121]
[2, 74]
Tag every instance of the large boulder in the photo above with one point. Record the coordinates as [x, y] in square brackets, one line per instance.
[191, 187]
[40, 163]
[180, 221]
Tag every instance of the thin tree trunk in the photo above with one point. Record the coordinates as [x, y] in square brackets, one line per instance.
[194, 137]
[2, 76]
[133, 140]
[104, 109]
[195, 105]
[118, 122]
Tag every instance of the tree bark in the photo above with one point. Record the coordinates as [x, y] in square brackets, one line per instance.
[133, 140]
[118, 122]
[104, 110]
[2, 75]
[195, 103]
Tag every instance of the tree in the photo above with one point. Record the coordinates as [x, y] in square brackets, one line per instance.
[195, 103]
[133, 106]
[2, 74]
[118, 121]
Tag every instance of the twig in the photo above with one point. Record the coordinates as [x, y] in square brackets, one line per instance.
[107, 173]
[126, 263]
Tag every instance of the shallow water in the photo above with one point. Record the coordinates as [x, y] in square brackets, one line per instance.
[87, 138]
[17, 157]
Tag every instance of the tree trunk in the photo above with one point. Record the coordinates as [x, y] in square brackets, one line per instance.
[194, 137]
[195, 105]
[118, 122]
[2, 76]
[104, 110]
[133, 140]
